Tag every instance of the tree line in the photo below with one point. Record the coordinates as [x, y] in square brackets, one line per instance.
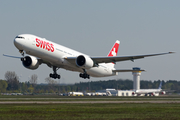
[12, 84]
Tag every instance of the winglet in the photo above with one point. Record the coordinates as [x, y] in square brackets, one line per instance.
[171, 52]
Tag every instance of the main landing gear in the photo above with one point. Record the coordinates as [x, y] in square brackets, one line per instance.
[54, 75]
[84, 75]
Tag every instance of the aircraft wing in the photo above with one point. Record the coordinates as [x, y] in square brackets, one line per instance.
[115, 59]
[11, 56]
[123, 58]
[40, 60]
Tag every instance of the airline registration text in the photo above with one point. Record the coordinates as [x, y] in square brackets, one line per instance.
[45, 45]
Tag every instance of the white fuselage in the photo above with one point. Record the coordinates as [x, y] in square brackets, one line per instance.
[147, 91]
[54, 54]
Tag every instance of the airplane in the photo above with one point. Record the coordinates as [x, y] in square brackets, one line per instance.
[151, 92]
[41, 51]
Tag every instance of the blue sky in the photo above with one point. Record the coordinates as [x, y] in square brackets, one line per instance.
[92, 27]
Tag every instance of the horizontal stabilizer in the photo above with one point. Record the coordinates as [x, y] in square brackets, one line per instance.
[128, 70]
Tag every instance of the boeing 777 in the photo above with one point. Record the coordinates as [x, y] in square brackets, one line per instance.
[41, 51]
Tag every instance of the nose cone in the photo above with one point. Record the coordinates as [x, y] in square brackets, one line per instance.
[18, 43]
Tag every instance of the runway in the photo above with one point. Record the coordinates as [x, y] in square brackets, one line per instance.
[82, 102]
[87, 100]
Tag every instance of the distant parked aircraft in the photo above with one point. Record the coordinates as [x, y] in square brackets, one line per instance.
[150, 92]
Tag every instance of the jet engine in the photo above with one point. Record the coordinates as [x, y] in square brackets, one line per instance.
[30, 62]
[84, 62]
[152, 94]
[163, 92]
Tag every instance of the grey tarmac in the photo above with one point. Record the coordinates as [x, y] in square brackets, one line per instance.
[81, 102]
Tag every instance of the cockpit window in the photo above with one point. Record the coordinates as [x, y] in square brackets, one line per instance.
[20, 37]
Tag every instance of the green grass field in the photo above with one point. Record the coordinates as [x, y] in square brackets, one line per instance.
[89, 111]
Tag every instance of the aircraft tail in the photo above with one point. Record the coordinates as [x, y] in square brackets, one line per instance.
[160, 85]
[113, 52]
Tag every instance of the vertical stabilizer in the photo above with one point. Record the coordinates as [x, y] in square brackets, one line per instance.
[113, 52]
[114, 49]
[160, 85]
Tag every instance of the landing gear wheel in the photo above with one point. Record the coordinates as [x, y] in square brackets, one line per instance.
[50, 75]
[84, 75]
[58, 76]
[54, 75]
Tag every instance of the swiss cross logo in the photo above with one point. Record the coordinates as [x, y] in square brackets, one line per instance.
[114, 52]
[44, 45]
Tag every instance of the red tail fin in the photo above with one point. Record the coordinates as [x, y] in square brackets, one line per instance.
[113, 52]
[114, 49]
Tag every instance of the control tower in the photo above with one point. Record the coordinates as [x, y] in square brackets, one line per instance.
[136, 78]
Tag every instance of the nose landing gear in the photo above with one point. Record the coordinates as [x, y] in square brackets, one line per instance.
[22, 52]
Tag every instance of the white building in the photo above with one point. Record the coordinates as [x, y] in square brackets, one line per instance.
[124, 92]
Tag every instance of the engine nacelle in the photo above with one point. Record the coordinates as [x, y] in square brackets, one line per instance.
[152, 94]
[30, 62]
[163, 92]
[84, 62]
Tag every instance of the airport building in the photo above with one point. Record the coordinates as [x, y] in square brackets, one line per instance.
[136, 72]
[124, 92]
[136, 83]
[113, 93]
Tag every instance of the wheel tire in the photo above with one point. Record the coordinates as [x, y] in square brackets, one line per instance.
[50, 75]
[59, 76]
[81, 75]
